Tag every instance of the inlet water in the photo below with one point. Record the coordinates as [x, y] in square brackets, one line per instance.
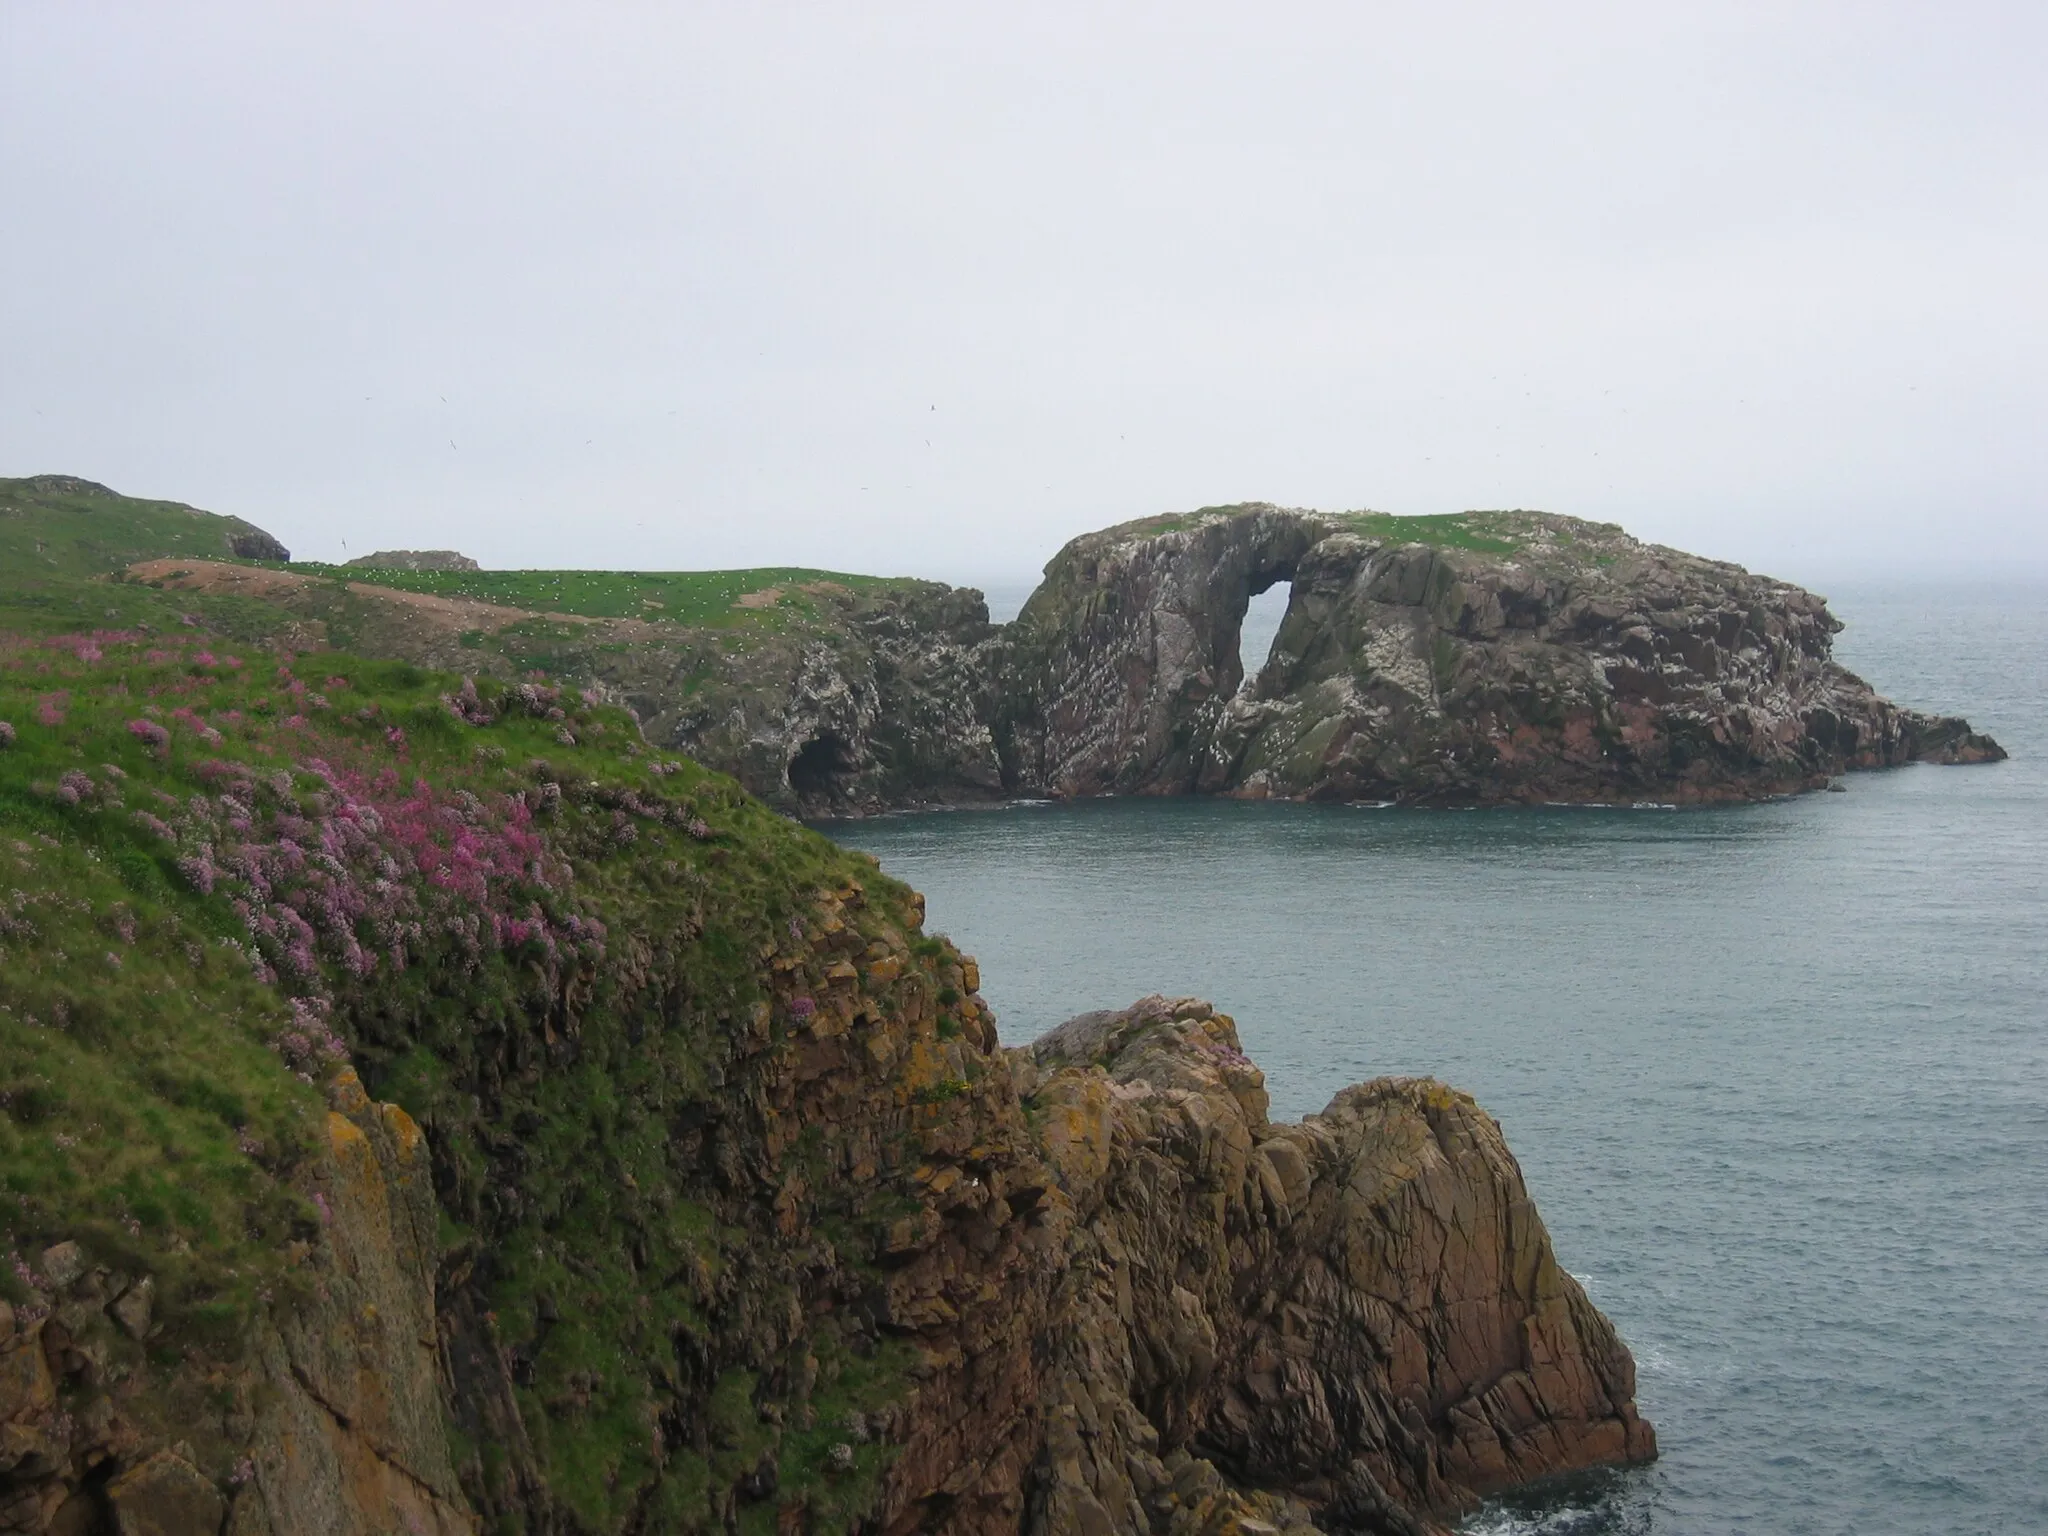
[1777, 1074]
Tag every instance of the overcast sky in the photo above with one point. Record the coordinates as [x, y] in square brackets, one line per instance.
[931, 288]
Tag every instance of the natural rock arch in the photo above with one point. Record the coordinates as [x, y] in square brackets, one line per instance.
[1124, 658]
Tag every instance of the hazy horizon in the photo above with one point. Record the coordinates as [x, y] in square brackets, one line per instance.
[929, 293]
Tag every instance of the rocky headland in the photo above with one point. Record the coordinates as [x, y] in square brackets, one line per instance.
[424, 1107]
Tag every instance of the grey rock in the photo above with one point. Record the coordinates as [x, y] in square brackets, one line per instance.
[132, 1308]
[414, 560]
[62, 1263]
[1514, 657]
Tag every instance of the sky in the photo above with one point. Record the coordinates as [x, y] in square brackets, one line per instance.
[931, 288]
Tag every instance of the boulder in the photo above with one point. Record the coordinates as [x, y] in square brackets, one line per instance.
[166, 1496]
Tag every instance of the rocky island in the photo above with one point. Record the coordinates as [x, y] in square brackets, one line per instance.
[1490, 656]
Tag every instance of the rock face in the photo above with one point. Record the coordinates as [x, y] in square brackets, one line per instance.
[337, 1427]
[1354, 1323]
[414, 560]
[1489, 657]
[1123, 660]
[887, 705]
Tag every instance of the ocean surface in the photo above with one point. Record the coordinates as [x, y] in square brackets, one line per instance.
[1777, 1074]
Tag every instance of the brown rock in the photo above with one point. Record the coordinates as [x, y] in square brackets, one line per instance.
[166, 1496]
[25, 1381]
[1363, 1308]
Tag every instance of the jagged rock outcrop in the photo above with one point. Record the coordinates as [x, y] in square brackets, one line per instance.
[1489, 657]
[413, 560]
[335, 1426]
[1355, 1323]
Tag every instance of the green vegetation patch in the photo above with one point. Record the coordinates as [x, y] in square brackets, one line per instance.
[1490, 533]
[220, 873]
[699, 599]
[65, 543]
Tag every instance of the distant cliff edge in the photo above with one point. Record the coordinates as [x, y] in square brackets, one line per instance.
[1477, 658]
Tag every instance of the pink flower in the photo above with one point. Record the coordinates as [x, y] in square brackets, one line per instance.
[153, 736]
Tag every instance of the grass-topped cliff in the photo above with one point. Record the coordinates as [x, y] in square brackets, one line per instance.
[579, 967]
[872, 676]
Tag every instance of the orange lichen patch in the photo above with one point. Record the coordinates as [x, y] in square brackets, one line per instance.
[349, 1142]
[405, 1132]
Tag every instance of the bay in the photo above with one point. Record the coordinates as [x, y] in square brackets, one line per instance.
[1777, 1074]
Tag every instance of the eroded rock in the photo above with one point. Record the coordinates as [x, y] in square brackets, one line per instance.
[1362, 1309]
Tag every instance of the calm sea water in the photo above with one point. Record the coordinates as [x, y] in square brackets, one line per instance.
[1777, 1075]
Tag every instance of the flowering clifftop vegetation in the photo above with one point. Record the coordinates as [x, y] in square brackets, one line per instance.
[225, 872]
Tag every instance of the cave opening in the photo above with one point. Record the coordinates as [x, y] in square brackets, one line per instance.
[821, 767]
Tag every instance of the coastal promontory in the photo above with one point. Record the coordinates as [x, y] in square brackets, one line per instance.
[425, 1106]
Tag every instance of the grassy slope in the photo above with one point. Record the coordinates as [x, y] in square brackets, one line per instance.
[62, 552]
[149, 1103]
[695, 598]
[64, 547]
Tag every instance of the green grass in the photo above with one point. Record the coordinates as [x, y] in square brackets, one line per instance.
[700, 599]
[63, 549]
[139, 1110]
[1480, 532]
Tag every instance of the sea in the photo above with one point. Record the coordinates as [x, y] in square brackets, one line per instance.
[1777, 1074]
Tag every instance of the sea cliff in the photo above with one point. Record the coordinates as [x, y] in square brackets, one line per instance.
[427, 1107]
[1510, 656]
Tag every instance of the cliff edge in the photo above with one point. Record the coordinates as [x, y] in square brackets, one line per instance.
[425, 1108]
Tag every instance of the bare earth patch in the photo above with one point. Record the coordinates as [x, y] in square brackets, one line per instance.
[455, 614]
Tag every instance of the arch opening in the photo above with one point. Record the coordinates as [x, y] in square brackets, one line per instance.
[1259, 627]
